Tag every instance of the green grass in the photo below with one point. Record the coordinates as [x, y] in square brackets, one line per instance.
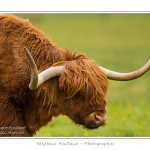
[118, 42]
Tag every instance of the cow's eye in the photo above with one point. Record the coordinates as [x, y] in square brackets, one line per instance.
[101, 111]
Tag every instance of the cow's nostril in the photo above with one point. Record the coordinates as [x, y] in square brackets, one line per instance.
[97, 118]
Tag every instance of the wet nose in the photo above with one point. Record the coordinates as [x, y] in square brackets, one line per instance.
[99, 120]
[96, 119]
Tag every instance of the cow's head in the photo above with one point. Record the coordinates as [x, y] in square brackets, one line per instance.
[83, 87]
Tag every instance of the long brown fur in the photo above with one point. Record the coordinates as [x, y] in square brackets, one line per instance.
[80, 89]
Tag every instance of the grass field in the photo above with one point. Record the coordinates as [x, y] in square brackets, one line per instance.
[119, 42]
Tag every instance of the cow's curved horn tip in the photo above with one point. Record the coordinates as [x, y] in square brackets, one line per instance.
[126, 76]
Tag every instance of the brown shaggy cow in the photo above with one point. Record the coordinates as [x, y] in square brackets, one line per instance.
[79, 92]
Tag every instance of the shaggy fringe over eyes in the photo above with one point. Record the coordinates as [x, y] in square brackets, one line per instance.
[82, 77]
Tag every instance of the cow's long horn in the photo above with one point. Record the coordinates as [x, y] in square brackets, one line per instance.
[126, 76]
[37, 79]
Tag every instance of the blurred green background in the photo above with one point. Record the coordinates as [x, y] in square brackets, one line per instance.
[117, 41]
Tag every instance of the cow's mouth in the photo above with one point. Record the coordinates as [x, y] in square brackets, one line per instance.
[93, 126]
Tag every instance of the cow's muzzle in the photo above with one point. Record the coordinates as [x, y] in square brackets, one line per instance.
[94, 120]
